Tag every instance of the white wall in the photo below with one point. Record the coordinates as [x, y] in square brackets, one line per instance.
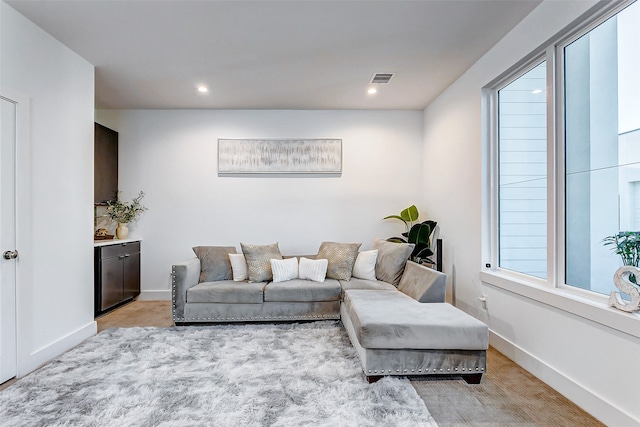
[172, 156]
[55, 269]
[588, 362]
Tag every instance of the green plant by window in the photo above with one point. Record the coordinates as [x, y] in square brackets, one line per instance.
[125, 212]
[417, 233]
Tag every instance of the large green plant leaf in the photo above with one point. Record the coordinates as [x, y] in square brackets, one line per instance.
[395, 217]
[396, 240]
[409, 214]
[420, 233]
[420, 252]
[431, 224]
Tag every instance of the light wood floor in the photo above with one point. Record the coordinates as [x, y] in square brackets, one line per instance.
[507, 396]
[138, 313]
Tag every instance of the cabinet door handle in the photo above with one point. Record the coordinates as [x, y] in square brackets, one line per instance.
[121, 257]
[127, 256]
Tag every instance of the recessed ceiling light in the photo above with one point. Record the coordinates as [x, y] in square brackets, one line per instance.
[203, 89]
[372, 90]
[536, 91]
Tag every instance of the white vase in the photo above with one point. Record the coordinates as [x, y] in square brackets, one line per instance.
[122, 232]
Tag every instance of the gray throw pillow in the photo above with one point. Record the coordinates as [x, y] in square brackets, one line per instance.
[341, 257]
[392, 258]
[214, 262]
[258, 259]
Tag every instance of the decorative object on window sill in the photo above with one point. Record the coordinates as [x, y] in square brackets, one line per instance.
[627, 245]
[622, 280]
[419, 234]
[125, 212]
[239, 156]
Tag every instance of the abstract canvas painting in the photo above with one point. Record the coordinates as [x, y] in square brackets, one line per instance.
[239, 156]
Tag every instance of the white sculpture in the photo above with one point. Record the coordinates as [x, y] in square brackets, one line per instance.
[621, 280]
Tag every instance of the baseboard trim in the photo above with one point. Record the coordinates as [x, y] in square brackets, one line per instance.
[592, 403]
[44, 355]
[155, 295]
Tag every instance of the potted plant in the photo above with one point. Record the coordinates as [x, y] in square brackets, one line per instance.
[417, 233]
[125, 212]
[627, 245]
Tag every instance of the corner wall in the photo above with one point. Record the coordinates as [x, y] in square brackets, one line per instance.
[55, 267]
[172, 156]
[586, 361]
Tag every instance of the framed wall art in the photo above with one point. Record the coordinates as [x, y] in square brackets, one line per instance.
[241, 156]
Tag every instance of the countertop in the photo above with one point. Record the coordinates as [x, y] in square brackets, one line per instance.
[97, 243]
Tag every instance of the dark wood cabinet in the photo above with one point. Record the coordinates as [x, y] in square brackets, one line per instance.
[105, 164]
[117, 275]
[131, 276]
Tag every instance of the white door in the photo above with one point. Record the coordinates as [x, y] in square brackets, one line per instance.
[8, 252]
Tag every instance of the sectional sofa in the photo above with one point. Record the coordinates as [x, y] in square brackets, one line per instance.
[393, 310]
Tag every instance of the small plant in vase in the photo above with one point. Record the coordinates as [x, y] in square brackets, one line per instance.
[125, 212]
[627, 245]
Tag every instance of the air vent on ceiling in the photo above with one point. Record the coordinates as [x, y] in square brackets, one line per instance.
[381, 78]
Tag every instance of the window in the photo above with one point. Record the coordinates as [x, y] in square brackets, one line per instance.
[595, 181]
[522, 155]
[602, 146]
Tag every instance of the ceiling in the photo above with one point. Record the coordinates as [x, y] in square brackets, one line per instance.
[275, 54]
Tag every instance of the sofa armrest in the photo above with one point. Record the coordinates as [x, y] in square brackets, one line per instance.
[184, 275]
[422, 283]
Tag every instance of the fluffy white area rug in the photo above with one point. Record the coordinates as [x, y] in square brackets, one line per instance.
[225, 375]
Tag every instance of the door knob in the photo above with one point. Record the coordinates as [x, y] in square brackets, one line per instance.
[10, 254]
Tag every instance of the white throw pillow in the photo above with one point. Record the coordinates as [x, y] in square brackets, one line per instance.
[365, 266]
[313, 269]
[239, 267]
[284, 269]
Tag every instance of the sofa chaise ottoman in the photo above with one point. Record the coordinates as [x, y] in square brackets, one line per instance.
[396, 335]
[412, 331]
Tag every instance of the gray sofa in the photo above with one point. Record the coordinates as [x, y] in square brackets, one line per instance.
[405, 328]
[228, 301]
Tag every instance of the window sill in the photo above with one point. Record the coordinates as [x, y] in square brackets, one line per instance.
[594, 308]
